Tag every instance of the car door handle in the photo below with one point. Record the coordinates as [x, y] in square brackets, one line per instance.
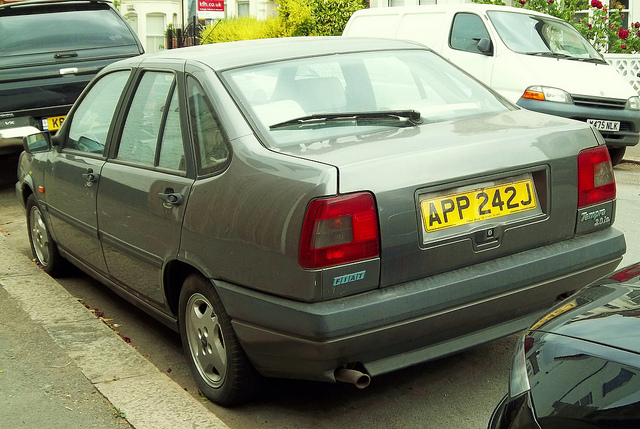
[90, 175]
[67, 54]
[170, 197]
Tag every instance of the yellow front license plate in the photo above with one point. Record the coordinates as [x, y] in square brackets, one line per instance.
[55, 122]
[472, 206]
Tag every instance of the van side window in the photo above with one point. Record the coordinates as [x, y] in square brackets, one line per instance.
[91, 120]
[466, 32]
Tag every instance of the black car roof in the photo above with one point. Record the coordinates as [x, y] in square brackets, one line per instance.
[32, 3]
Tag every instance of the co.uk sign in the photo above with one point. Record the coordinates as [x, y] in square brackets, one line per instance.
[210, 9]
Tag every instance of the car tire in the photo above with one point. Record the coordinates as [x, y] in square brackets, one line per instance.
[43, 248]
[221, 368]
[616, 154]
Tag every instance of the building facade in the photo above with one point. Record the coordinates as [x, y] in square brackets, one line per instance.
[150, 18]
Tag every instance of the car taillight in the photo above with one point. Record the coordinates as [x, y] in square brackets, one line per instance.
[339, 230]
[596, 182]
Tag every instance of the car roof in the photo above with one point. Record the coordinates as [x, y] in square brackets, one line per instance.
[221, 56]
[452, 8]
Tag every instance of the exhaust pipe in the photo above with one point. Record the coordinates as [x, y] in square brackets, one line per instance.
[357, 378]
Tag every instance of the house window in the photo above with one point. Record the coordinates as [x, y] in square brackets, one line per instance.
[243, 8]
[132, 19]
[155, 32]
[394, 3]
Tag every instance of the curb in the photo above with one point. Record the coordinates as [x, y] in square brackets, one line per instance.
[148, 397]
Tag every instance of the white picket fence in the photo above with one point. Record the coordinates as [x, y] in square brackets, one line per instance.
[628, 66]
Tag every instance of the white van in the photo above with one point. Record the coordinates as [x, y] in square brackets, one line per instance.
[535, 60]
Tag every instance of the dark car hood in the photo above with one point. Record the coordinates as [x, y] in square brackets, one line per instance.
[607, 312]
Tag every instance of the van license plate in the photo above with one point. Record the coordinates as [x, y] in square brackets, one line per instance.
[604, 125]
[467, 207]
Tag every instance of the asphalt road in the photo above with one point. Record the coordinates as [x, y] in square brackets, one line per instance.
[459, 391]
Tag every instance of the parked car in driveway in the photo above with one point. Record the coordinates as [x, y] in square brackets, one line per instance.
[579, 366]
[319, 208]
[49, 51]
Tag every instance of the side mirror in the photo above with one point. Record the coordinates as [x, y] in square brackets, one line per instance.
[485, 46]
[37, 142]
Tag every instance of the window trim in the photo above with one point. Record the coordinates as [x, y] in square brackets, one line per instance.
[63, 133]
[194, 145]
[116, 135]
[453, 22]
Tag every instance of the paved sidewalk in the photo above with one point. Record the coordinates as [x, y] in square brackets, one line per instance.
[60, 366]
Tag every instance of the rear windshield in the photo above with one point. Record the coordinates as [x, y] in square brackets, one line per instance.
[62, 31]
[358, 85]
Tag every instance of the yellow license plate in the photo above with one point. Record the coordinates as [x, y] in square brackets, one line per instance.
[55, 122]
[472, 206]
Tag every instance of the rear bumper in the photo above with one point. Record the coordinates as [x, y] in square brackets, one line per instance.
[628, 135]
[399, 326]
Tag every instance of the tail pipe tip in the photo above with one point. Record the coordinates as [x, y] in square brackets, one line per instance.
[357, 378]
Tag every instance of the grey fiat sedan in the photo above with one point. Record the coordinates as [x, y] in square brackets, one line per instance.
[319, 208]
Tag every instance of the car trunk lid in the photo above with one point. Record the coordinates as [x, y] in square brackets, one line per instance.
[517, 155]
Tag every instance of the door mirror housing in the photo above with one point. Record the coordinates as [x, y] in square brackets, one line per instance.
[485, 46]
[37, 142]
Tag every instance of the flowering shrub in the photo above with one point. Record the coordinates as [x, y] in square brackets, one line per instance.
[602, 26]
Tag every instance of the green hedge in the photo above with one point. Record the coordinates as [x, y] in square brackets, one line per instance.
[295, 18]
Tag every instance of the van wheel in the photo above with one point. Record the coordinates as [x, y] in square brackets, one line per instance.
[616, 154]
[43, 248]
[221, 368]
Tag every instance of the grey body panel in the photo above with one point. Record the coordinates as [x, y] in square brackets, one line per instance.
[415, 321]
[72, 209]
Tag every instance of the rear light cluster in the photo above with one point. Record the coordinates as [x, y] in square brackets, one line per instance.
[596, 182]
[338, 230]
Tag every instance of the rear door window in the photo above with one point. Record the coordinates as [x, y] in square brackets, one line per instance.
[152, 135]
[212, 149]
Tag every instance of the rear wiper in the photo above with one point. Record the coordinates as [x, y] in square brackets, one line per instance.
[386, 117]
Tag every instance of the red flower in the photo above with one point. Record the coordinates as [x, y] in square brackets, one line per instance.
[596, 3]
[636, 24]
[611, 26]
[622, 15]
[638, 33]
[624, 46]
[580, 21]
[550, 1]
[589, 26]
[623, 34]
[522, 1]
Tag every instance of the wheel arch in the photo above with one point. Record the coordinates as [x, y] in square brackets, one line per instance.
[175, 273]
[26, 189]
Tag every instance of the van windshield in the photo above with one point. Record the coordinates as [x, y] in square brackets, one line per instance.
[540, 35]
